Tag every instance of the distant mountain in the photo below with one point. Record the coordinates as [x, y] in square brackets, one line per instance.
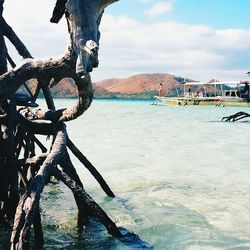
[141, 86]
[138, 86]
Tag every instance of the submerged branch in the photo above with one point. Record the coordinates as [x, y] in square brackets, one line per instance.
[90, 167]
[87, 201]
[236, 117]
[29, 203]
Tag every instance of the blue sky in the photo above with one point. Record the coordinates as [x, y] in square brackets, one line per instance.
[191, 38]
[214, 13]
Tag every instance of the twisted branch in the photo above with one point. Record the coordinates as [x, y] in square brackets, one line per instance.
[236, 117]
[18, 128]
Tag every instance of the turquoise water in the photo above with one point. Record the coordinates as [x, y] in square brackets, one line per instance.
[181, 178]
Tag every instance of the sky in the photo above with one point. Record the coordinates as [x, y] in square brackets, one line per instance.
[197, 39]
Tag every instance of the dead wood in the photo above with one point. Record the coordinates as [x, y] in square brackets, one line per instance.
[90, 167]
[26, 164]
[236, 117]
[3, 56]
[30, 200]
[88, 202]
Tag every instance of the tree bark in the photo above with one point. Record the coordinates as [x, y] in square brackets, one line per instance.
[89, 202]
[18, 127]
[7, 31]
[3, 56]
[29, 203]
[90, 167]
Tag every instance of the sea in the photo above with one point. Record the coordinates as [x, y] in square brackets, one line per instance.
[181, 178]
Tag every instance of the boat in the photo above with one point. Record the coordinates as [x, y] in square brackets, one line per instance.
[217, 93]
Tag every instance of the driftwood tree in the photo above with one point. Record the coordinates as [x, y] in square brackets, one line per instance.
[23, 170]
[236, 117]
[239, 115]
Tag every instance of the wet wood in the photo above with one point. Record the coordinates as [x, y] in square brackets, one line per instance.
[29, 203]
[236, 117]
[26, 164]
[90, 167]
[89, 202]
[3, 56]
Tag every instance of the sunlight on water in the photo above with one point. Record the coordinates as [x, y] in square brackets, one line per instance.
[181, 178]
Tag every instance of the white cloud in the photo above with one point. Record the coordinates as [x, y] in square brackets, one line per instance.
[161, 8]
[237, 37]
[30, 20]
[129, 47]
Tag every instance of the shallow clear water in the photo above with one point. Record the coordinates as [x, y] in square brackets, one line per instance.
[181, 178]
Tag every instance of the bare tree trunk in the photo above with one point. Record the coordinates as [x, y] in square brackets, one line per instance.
[3, 56]
[7, 31]
[19, 145]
